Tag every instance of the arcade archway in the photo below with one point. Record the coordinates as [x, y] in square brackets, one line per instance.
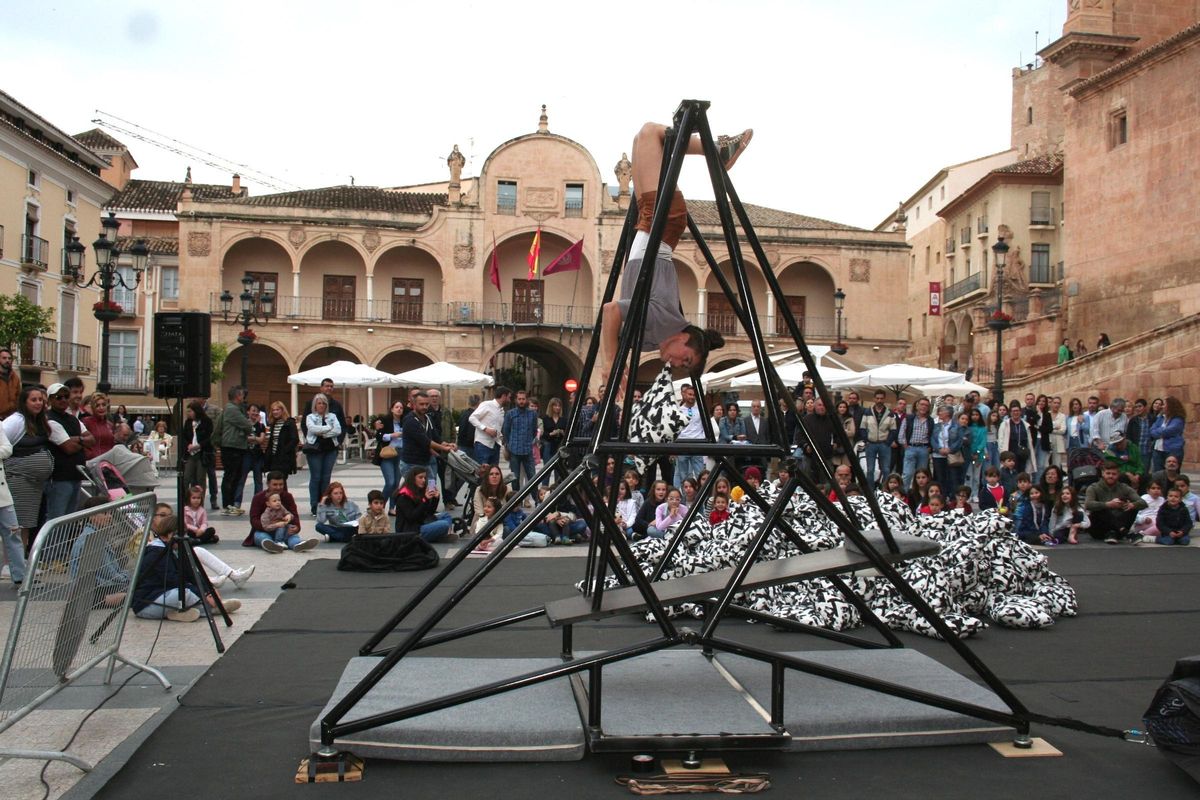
[266, 373]
[539, 366]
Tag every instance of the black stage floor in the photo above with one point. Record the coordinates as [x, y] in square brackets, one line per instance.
[242, 729]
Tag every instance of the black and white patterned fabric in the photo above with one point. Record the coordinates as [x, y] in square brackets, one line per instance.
[982, 571]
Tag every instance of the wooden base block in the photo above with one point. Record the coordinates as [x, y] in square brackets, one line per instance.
[347, 768]
[1041, 749]
[709, 766]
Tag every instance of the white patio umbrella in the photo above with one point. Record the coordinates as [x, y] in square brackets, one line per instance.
[791, 374]
[942, 389]
[897, 378]
[717, 381]
[344, 374]
[443, 373]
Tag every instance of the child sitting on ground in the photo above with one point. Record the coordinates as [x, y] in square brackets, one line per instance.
[1174, 523]
[491, 507]
[157, 593]
[1008, 473]
[195, 518]
[993, 493]
[935, 505]
[1020, 497]
[1032, 521]
[375, 521]
[1191, 501]
[1067, 519]
[964, 500]
[720, 511]
[561, 525]
[1144, 522]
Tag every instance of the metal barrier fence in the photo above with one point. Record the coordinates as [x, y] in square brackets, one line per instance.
[71, 609]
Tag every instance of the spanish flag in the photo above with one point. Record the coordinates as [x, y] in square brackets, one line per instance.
[535, 251]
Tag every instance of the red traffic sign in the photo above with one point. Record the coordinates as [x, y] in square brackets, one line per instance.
[571, 385]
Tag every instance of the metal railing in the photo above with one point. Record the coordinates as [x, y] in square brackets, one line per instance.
[1041, 215]
[573, 208]
[981, 225]
[506, 206]
[950, 244]
[960, 289]
[1045, 272]
[556, 316]
[812, 327]
[135, 380]
[37, 352]
[74, 357]
[964, 235]
[35, 251]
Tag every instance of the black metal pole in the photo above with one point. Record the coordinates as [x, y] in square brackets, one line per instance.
[106, 284]
[998, 378]
[245, 365]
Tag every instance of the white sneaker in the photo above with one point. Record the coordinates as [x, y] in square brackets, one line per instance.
[240, 576]
[307, 544]
[187, 615]
[217, 580]
[272, 546]
[231, 605]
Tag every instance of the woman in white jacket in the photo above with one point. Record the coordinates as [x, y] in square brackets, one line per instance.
[10, 529]
[1021, 443]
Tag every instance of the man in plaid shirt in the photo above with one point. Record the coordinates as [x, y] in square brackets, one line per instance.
[520, 429]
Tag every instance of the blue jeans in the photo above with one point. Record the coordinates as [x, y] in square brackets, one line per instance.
[167, 601]
[877, 453]
[576, 528]
[487, 455]
[280, 535]
[915, 457]
[519, 464]
[436, 529]
[336, 533]
[390, 467]
[993, 455]
[687, 467]
[1043, 460]
[62, 497]
[548, 451]
[1184, 540]
[251, 465]
[14, 549]
[320, 473]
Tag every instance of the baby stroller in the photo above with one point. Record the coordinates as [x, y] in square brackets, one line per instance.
[1084, 465]
[467, 470]
[119, 472]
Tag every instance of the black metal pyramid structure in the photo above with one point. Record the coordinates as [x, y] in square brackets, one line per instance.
[609, 554]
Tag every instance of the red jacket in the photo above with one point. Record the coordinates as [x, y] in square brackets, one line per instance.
[259, 504]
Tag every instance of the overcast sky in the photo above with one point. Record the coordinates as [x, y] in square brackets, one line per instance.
[854, 104]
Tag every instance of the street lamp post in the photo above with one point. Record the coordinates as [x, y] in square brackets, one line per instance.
[248, 315]
[108, 277]
[839, 302]
[999, 321]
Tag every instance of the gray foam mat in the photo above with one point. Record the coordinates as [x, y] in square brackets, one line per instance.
[674, 692]
[535, 723]
[822, 714]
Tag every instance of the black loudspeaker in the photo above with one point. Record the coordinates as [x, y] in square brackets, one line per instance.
[182, 354]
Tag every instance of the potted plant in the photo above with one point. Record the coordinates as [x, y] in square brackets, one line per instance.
[1000, 320]
[109, 310]
[247, 336]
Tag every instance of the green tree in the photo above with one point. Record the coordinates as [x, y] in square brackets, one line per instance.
[21, 320]
[217, 355]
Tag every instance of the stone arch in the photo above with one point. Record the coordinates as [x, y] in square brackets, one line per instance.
[267, 370]
[815, 283]
[566, 297]
[323, 238]
[545, 365]
[399, 359]
[353, 399]
[964, 344]
[264, 256]
[948, 350]
[322, 294]
[719, 311]
[306, 356]
[261, 234]
[408, 285]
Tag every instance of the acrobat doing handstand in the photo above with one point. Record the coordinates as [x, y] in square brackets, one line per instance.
[679, 343]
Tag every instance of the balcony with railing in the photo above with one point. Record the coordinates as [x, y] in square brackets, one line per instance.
[812, 327]
[74, 357]
[129, 380]
[523, 314]
[1045, 274]
[1041, 217]
[970, 286]
[964, 236]
[950, 247]
[35, 252]
[506, 205]
[37, 352]
[981, 225]
[573, 207]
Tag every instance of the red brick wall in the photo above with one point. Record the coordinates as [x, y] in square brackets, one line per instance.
[1153, 20]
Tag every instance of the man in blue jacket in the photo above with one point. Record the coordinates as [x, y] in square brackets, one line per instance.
[519, 431]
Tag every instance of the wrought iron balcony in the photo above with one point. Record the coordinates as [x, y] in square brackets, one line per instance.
[130, 380]
[981, 225]
[38, 352]
[964, 236]
[950, 244]
[967, 286]
[35, 252]
[1041, 215]
[573, 208]
[74, 357]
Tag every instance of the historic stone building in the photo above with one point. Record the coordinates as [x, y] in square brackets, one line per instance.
[50, 191]
[399, 277]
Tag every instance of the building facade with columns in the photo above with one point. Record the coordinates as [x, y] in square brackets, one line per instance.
[399, 277]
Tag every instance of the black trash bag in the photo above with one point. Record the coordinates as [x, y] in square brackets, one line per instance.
[1173, 718]
[388, 552]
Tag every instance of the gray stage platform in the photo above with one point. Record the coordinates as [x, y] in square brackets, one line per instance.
[673, 691]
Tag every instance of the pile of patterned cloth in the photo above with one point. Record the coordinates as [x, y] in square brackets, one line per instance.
[982, 570]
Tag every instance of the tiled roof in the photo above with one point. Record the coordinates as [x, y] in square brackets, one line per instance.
[28, 123]
[1042, 165]
[1140, 57]
[705, 213]
[97, 139]
[157, 245]
[350, 198]
[141, 195]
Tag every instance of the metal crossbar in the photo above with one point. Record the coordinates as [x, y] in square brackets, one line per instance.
[580, 457]
[71, 609]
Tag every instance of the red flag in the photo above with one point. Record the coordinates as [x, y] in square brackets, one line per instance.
[535, 251]
[494, 272]
[570, 261]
